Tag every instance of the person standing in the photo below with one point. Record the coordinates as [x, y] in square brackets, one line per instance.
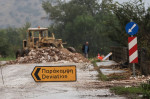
[85, 49]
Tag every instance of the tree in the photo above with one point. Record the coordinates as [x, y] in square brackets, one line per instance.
[3, 43]
[23, 31]
[78, 21]
[135, 11]
[11, 40]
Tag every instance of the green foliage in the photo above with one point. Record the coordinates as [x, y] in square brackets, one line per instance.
[100, 75]
[133, 92]
[4, 43]
[146, 90]
[11, 40]
[129, 90]
[133, 10]
[102, 24]
[78, 21]
[7, 58]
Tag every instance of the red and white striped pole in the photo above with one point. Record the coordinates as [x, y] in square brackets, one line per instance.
[132, 29]
[133, 52]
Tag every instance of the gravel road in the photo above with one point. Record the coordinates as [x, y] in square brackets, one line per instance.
[19, 84]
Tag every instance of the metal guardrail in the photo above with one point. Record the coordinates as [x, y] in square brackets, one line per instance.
[120, 54]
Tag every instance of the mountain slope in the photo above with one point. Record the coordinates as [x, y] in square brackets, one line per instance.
[16, 13]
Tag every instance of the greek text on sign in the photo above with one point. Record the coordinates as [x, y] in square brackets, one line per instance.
[54, 73]
[133, 51]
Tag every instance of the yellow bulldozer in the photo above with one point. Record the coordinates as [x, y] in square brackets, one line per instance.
[38, 38]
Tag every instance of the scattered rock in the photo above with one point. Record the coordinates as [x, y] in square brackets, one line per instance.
[127, 86]
[56, 58]
[80, 61]
[43, 61]
[50, 54]
[3, 62]
[71, 49]
[75, 59]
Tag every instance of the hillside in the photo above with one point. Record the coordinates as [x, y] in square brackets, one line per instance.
[16, 13]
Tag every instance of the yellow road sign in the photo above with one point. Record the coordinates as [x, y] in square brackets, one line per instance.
[54, 73]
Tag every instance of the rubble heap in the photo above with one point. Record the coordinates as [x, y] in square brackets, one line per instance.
[50, 54]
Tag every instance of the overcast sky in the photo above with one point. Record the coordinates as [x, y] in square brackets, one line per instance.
[147, 2]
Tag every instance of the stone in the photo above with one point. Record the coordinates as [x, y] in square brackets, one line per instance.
[75, 59]
[50, 54]
[21, 59]
[80, 61]
[56, 58]
[48, 57]
[45, 54]
[71, 49]
[127, 86]
[43, 61]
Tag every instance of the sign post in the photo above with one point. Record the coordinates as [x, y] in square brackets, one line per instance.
[132, 29]
[134, 70]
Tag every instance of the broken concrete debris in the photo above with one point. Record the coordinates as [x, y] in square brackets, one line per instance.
[50, 54]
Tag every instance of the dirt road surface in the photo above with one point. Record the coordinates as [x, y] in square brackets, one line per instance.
[19, 84]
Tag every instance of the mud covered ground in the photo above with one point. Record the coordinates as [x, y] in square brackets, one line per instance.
[19, 84]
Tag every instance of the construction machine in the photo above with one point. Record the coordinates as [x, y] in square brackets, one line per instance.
[38, 38]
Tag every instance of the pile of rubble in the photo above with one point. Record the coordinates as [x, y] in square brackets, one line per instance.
[50, 54]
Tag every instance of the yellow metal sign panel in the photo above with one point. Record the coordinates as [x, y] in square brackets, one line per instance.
[54, 73]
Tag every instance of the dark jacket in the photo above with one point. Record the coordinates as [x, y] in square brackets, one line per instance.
[83, 48]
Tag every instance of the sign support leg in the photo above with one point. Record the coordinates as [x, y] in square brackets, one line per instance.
[2, 75]
[134, 75]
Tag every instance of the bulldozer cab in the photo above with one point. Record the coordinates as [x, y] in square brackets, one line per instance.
[34, 36]
[38, 37]
[37, 34]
